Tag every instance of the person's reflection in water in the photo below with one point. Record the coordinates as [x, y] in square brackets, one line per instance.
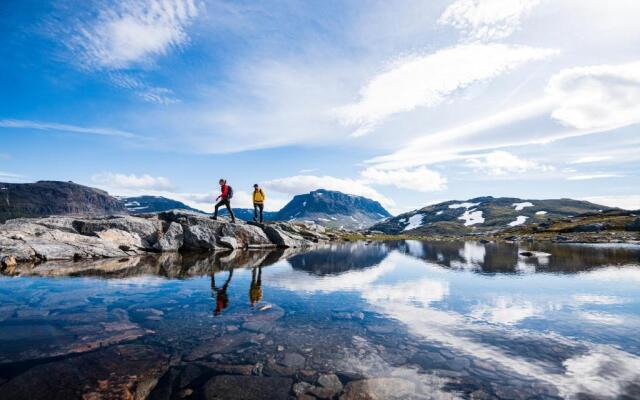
[222, 300]
[255, 291]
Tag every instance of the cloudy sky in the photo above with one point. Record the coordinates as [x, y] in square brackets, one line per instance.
[408, 103]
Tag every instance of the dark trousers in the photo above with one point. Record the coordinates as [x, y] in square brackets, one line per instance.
[257, 207]
[226, 203]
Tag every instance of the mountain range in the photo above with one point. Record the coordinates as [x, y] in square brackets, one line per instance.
[482, 215]
[479, 215]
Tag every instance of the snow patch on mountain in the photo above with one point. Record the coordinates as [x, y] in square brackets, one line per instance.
[522, 206]
[463, 205]
[541, 212]
[521, 219]
[415, 221]
[471, 217]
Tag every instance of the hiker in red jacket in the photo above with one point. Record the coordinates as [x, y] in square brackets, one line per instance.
[226, 193]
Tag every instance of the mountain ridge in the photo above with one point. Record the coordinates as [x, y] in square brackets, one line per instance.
[43, 198]
[483, 214]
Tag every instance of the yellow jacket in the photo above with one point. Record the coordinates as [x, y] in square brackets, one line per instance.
[258, 196]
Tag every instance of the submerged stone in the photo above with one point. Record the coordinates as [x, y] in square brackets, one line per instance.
[247, 388]
[119, 372]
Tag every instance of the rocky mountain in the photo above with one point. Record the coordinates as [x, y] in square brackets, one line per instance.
[482, 215]
[333, 209]
[151, 204]
[45, 198]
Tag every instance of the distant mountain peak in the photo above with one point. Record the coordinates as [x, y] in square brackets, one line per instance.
[151, 204]
[333, 208]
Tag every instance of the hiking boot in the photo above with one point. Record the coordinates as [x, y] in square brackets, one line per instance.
[213, 217]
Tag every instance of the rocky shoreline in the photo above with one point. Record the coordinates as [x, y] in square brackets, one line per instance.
[35, 240]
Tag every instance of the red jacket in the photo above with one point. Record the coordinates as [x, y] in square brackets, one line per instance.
[225, 191]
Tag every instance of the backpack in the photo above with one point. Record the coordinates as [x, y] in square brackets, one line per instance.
[230, 192]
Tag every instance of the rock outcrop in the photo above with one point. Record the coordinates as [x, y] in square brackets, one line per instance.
[75, 238]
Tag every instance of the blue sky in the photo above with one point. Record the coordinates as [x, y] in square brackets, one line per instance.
[410, 104]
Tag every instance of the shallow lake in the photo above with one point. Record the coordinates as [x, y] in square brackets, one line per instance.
[379, 320]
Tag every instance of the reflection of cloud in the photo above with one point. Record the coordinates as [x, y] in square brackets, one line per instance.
[596, 299]
[138, 281]
[353, 280]
[604, 370]
[602, 318]
[414, 247]
[423, 291]
[453, 330]
[624, 274]
[505, 311]
[473, 253]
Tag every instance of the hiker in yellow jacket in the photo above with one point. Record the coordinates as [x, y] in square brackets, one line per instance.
[258, 203]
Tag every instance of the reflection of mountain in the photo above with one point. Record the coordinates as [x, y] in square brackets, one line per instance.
[505, 257]
[339, 258]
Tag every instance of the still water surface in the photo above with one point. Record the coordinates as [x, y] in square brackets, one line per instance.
[386, 320]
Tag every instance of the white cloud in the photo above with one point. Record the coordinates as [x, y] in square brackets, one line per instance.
[132, 32]
[158, 95]
[597, 97]
[427, 80]
[629, 202]
[592, 176]
[9, 176]
[486, 19]
[420, 179]
[441, 146]
[590, 159]
[122, 181]
[297, 184]
[500, 163]
[26, 124]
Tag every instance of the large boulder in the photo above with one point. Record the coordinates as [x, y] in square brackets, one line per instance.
[124, 240]
[172, 237]
[248, 236]
[199, 237]
[228, 242]
[282, 238]
[149, 230]
[12, 247]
